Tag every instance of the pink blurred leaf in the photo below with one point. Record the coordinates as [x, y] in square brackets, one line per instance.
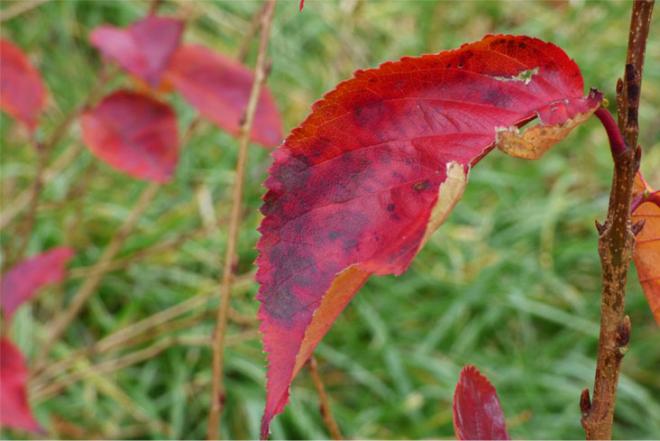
[144, 48]
[134, 133]
[477, 411]
[15, 410]
[22, 92]
[302, 4]
[219, 88]
[24, 280]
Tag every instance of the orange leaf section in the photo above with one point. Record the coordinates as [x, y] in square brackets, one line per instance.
[647, 243]
[219, 88]
[15, 410]
[22, 92]
[135, 134]
[361, 184]
[24, 280]
[143, 49]
[477, 411]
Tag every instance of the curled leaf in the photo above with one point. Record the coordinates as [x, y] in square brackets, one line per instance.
[22, 91]
[143, 49]
[647, 243]
[361, 184]
[220, 88]
[135, 134]
[15, 410]
[477, 411]
[24, 280]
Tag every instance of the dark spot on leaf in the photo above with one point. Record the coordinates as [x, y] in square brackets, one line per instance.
[369, 114]
[421, 186]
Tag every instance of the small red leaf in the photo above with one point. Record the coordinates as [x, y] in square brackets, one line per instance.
[134, 133]
[15, 410]
[220, 88]
[302, 4]
[477, 410]
[365, 180]
[24, 280]
[22, 92]
[144, 48]
[647, 243]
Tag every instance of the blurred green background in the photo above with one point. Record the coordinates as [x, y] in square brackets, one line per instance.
[510, 283]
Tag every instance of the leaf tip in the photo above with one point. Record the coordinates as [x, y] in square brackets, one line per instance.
[477, 413]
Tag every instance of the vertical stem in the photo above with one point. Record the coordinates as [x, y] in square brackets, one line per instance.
[324, 405]
[26, 227]
[90, 284]
[218, 386]
[616, 241]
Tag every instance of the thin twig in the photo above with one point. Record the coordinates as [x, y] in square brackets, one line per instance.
[260, 73]
[115, 364]
[11, 210]
[324, 401]
[18, 8]
[617, 237]
[105, 262]
[90, 284]
[26, 227]
[157, 249]
[24, 199]
[244, 48]
[149, 327]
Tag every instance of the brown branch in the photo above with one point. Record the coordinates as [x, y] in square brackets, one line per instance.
[260, 73]
[11, 210]
[90, 284]
[26, 227]
[150, 327]
[617, 238]
[244, 48]
[25, 199]
[324, 401]
[18, 8]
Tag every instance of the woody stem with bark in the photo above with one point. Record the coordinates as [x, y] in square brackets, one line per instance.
[260, 73]
[616, 235]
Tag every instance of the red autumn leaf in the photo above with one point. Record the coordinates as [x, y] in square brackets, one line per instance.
[24, 280]
[302, 4]
[14, 407]
[219, 88]
[134, 133]
[647, 243]
[477, 410]
[144, 48]
[360, 185]
[22, 91]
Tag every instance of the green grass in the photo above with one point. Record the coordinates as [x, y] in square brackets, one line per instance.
[510, 283]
